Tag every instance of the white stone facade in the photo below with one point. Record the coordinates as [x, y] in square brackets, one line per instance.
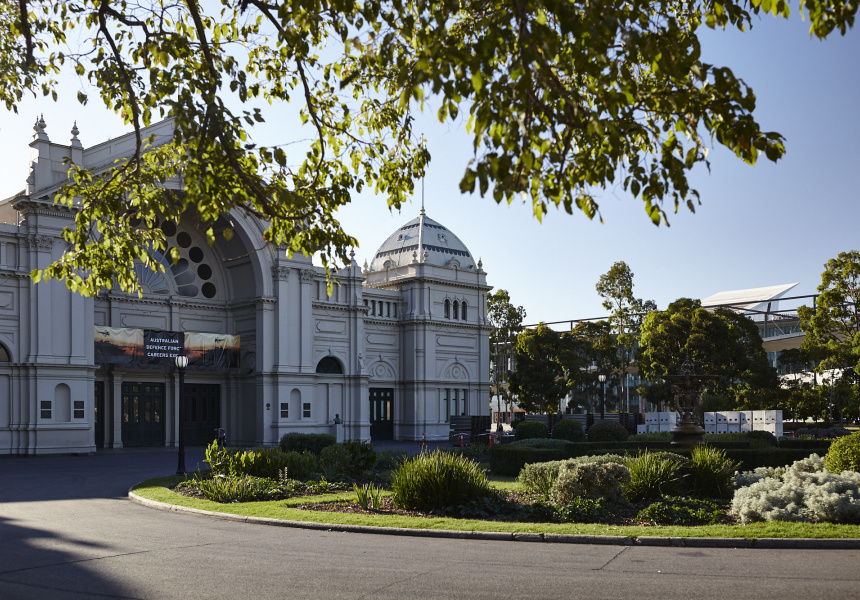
[383, 351]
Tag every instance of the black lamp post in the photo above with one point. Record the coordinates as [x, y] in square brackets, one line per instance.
[601, 377]
[181, 363]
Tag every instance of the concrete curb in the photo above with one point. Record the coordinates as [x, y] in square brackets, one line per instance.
[500, 536]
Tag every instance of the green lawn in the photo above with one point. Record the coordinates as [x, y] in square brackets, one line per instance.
[159, 490]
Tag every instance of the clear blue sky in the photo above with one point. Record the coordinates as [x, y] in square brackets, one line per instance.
[756, 226]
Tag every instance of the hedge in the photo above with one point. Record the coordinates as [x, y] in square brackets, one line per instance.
[509, 459]
[820, 446]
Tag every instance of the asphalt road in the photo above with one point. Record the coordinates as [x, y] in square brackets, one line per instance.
[67, 530]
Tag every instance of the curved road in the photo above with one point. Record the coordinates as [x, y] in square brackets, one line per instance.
[67, 530]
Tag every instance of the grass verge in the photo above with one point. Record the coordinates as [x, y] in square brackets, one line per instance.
[159, 490]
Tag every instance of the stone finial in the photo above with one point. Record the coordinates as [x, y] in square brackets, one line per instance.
[480, 264]
[39, 128]
[415, 256]
[365, 268]
[76, 143]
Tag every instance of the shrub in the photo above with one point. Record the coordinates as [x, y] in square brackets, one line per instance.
[235, 488]
[389, 459]
[654, 475]
[711, 472]
[434, 481]
[590, 480]
[747, 478]
[761, 438]
[368, 496]
[539, 477]
[683, 511]
[805, 493]
[583, 510]
[844, 454]
[568, 429]
[530, 430]
[307, 442]
[607, 431]
[266, 462]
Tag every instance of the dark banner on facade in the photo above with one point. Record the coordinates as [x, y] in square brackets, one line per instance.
[149, 347]
[163, 344]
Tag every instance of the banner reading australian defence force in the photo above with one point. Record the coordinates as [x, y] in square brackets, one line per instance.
[143, 347]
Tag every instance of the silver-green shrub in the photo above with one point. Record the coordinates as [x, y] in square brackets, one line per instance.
[590, 480]
[747, 478]
[539, 477]
[806, 492]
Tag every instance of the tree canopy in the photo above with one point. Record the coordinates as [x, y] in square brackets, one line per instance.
[538, 380]
[506, 321]
[720, 342]
[832, 327]
[561, 98]
[616, 288]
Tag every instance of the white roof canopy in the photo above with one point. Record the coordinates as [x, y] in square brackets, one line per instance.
[751, 299]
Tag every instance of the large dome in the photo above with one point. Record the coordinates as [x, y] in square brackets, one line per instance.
[438, 246]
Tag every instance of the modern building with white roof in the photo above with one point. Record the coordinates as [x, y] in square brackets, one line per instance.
[395, 350]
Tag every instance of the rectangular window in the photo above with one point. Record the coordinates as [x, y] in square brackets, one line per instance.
[79, 409]
[388, 309]
[394, 310]
[463, 403]
[45, 409]
[381, 314]
[285, 410]
[306, 410]
[447, 404]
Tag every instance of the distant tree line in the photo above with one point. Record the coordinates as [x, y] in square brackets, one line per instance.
[819, 380]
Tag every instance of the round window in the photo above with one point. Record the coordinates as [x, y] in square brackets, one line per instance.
[209, 290]
[169, 228]
[204, 271]
[195, 254]
[183, 239]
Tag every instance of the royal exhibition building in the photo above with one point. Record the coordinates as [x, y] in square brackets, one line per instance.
[399, 346]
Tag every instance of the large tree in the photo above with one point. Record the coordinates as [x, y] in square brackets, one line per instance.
[590, 347]
[562, 98]
[616, 288]
[720, 342]
[539, 378]
[506, 321]
[832, 326]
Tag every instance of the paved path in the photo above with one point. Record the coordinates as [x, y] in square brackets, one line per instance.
[67, 530]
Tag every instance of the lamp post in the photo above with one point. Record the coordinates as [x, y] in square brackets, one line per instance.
[181, 363]
[601, 377]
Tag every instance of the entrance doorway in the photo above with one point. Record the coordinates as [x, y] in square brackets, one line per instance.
[99, 416]
[142, 414]
[202, 412]
[381, 414]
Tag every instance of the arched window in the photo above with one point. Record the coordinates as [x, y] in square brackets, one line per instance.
[456, 309]
[4, 354]
[330, 366]
[463, 310]
[447, 309]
